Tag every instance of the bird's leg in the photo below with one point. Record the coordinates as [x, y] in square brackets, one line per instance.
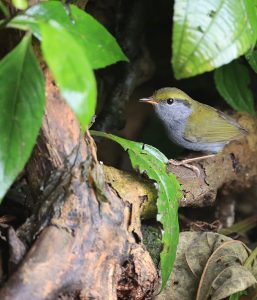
[187, 162]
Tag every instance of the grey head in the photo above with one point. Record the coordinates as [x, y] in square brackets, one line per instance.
[174, 114]
[173, 107]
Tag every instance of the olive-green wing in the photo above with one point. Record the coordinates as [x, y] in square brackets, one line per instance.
[208, 125]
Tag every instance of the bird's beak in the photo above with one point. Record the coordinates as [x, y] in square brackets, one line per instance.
[148, 100]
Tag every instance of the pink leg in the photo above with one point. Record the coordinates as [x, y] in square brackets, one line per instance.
[186, 163]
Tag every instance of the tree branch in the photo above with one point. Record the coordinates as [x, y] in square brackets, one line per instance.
[79, 231]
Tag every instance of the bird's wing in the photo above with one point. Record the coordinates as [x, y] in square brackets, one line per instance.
[211, 126]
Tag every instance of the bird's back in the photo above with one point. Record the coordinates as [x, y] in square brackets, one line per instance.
[212, 126]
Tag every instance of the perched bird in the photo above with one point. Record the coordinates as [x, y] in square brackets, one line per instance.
[193, 125]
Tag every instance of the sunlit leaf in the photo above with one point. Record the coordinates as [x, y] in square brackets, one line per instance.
[98, 44]
[232, 82]
[21, 106]
[151, 161]
[71, 69]
[20, 4]
[209, 34]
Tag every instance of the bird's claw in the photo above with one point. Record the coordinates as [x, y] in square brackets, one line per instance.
[184, 163]
[187, 163]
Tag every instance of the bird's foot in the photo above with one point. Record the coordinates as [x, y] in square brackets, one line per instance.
[187, 163]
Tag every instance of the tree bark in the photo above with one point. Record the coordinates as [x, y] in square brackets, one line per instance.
[79, 241]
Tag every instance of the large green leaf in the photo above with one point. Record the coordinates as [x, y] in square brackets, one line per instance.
[232, 82]
[251, 57]
[99, 45]
[71, 69]
[209, 34]
[151, 161]
[21, 108]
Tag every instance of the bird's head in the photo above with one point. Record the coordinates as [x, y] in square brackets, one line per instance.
[170, 104]
[169, 96]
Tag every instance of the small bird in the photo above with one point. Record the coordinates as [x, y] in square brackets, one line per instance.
[193, 125]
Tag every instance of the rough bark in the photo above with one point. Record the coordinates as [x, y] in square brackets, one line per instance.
[79, 231]
[84, 235]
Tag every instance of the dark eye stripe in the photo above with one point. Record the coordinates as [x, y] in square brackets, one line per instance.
[170, 101]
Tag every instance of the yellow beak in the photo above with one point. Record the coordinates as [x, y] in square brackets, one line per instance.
[148, 100]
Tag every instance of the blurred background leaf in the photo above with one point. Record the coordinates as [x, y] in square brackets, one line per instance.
[20, 4]
[233, 83]
[4, 9]
[251, 57]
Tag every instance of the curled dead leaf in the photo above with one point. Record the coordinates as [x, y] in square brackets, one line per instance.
[208, 266]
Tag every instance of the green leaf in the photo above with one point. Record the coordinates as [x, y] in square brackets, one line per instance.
[251, 57]
[151, 161]
[98, 44]
[20, 4]
[232, 82]
[21, 107]
[237, 295]
[4, 9]
[71, 69]
[209, 34]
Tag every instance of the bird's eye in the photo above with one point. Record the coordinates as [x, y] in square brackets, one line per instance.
[170, 101]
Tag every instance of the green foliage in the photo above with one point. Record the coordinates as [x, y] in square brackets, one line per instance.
[20, 4]
[21, 106]
[97, 43]
[4, 10]
[237, 295]
[251, 57]
[151, 161]
[232, 82]
[72, 46]
[71, 70]
[209, 34]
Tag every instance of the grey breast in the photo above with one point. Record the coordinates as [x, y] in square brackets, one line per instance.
[174, 117]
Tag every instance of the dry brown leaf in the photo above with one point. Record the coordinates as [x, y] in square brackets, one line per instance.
[208, 266]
